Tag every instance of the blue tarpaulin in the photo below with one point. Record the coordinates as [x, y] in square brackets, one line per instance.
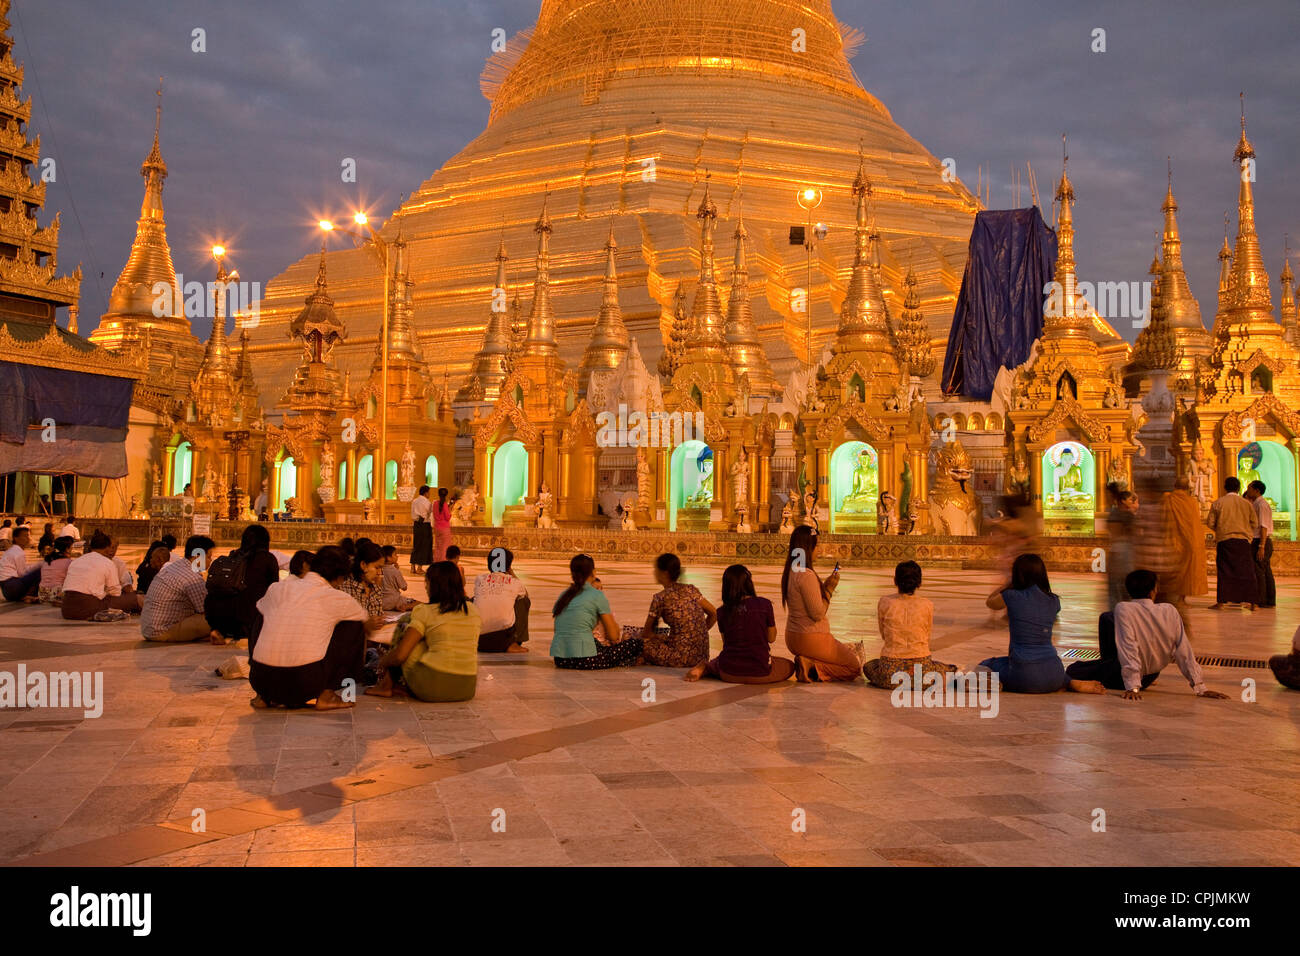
[999, 312]
[63, 422]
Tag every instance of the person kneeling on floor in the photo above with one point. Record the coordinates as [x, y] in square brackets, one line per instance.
[1138, 641]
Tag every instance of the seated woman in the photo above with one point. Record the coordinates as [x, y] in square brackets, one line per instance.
[905, 623]
[436, 658]
[748, 628]
[54, 571]
[311, 638]
[238, 581]
[817, 655]
[578, 612]
[1032, 665]
[47, 540]
[688, 616]
[155, 559]
[300, 563]
[363, 583]
[93, 585]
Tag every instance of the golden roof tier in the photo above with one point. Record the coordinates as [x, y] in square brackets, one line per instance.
[1181, 310]
[138, 315]
[490, 361]
[637, 145]
[31, 289]
[744, 348]
[1287, 311]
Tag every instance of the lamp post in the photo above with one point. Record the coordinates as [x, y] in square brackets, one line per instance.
[809, 198]
[373, 241]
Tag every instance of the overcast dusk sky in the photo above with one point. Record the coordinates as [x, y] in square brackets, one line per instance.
[254, 129]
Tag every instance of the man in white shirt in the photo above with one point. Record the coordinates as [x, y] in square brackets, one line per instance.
[70, 530]
[1137, 640]
[1262, 546]
[503, 605]
[312, 639]
[19, 581]
[94, 583]
[421, 530]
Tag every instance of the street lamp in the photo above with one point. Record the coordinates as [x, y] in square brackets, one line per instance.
[809, 198]
[373, 241]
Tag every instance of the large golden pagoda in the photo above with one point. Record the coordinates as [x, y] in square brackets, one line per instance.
[620, 107]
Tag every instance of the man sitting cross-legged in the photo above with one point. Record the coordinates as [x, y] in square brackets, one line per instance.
[1138, 640]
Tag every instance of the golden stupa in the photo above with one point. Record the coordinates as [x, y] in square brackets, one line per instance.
[622, 109]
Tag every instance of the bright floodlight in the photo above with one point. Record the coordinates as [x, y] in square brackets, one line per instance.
[809, 195]
[326, 225]
[360, 219]
[218, 251]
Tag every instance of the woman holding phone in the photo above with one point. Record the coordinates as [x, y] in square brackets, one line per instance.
[818, 656]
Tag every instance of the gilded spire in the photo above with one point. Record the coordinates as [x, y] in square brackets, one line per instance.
[744, 348]
[863, 320]
[671, 357]
[913, 337]
[150, 261]
[489, 367]
[541, 321]
[403, 346]
[1250, 286]
[1156, 347]
[706, 313]
[1287, 309]
[1181, 307]
[1065, 313]
[609, 337]
[317, 325]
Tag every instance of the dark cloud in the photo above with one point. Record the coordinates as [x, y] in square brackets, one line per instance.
[255, 129]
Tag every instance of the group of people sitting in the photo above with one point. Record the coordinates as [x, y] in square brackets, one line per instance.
[341, 619]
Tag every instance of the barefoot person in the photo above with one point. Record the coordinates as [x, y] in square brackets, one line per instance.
[421, 531]
[1235, 525]
[905, 620]
[587, 638]
[311, 640]
[93, 585]
[1286, 667]
[687, 613]
[173, 607]
[19, 580]
[1138, 641]
[1031, 665]
[441, 526]
[748, 627]
[436, 658]
[818, 656]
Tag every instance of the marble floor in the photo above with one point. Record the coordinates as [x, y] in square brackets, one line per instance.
[637, 767]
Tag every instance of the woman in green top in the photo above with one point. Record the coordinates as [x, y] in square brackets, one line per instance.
[587, 638]
[436, 658]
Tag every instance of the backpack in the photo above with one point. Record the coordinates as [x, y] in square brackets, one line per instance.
[226, 576]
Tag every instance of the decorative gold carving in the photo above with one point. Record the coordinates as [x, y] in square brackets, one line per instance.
[1068, 410]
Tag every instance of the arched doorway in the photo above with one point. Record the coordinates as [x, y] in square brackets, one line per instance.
[509, 478]
[343, 480]
[431, 471]
[1272, 464]
[855, 488]
[288, 470]
[366, 478]
[390, 480]
[182, 467]
[1069, 481]
[690, 485]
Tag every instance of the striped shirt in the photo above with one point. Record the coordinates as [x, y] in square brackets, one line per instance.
[177, 592]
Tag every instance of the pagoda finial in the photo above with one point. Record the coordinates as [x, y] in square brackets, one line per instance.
[541, 321]
[1250, 284]
[740, 334]
[706, 311]
[609, 340]
[1180, 306]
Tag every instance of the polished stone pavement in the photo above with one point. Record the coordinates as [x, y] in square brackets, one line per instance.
[552, 768]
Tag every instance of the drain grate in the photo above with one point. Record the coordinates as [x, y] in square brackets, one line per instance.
[1213, 661]
[1207, 660]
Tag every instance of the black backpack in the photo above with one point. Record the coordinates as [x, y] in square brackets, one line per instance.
[226, 576]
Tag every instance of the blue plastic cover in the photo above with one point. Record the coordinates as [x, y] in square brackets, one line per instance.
[999, 312]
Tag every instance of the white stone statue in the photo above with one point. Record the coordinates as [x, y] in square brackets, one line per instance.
[466, 506]
[887, 514]
[788, 511]
[626, 521]
[740, 477]
[642, 480]
[209, 481]
[408, 466]
[1200, 475]
[742, 519]
[327, 465]
[545, 507]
